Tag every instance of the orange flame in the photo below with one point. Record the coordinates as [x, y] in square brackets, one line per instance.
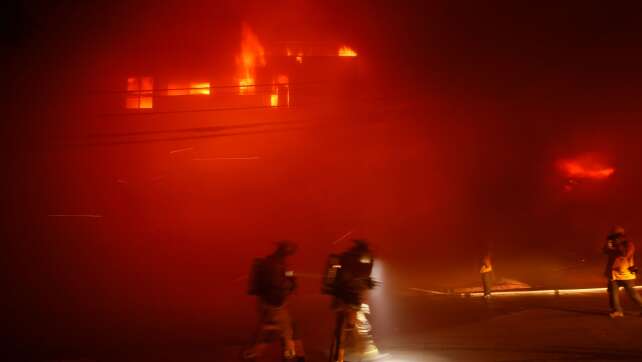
[585, 167]
[199, 88]
[280, 87]
[252, 55]
[140, 93]
[346, 51]
[192, 88]
[274, 99]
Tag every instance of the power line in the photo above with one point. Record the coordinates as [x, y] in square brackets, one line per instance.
[172, 135]
[145, 112]
[142, 112]
[235, 86]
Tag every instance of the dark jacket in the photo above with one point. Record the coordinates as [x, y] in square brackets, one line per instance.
[353, 279]
[269, 281]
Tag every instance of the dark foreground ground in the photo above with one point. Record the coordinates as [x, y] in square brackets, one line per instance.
[410, 328]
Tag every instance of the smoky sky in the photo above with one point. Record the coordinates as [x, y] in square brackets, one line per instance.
[528, 82]
[442, 145]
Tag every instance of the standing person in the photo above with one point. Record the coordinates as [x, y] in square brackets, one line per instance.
[271, 282]
[486, 273]
[620, 270]
[347, 279]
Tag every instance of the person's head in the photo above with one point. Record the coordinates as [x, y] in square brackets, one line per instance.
[616, 232]
[360, 246]
[285, 248]
[361, 250]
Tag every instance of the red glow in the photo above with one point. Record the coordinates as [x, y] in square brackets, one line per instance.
[252, 55]
[280, 92]
[585, 167]
[192, 88]
[139, 93]
[346, 51]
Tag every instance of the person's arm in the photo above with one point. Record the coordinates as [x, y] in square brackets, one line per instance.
[630, 250]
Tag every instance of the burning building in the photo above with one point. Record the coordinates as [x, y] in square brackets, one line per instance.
[273, 75]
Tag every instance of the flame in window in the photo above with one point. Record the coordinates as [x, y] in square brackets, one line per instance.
[298, 57]
[139, 93]
[191, 88]
[346, 51]
[280, 87]
[199, 88]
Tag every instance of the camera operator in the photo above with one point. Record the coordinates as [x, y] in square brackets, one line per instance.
[347, 279]
[620, 270]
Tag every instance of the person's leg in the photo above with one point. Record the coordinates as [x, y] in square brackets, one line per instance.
[614, 301]
[339, 336]
[259, 344]
[284, 324]
[486, 283]
[299, 352]
[633, 294]
[348, 330]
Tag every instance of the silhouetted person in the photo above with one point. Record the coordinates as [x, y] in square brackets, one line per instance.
[620, 270]
[347, 279]
[271, 282]
[486, 273]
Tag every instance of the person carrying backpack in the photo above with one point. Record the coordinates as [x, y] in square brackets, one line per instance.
[271, 282]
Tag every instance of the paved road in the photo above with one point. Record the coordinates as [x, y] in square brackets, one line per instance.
[409, 327]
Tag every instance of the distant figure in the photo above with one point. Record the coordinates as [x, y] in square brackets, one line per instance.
[347, 278]
[620, 270]
[487, 275]
[271, 282]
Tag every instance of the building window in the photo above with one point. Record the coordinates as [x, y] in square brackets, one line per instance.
[191, 88]
[140, 93]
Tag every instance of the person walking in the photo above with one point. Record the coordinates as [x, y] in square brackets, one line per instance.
[620, 270]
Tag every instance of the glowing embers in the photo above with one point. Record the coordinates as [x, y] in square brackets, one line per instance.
[346, 51]
[280, 96]
[192, 88]
[140, 93]
[252, 55]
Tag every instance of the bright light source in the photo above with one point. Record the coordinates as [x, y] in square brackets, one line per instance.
[544, 292]
[346, 51]
[139, 93]
[280, 87]
[199, 88]
[192, 88]
[252, 55]
[585, 167]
